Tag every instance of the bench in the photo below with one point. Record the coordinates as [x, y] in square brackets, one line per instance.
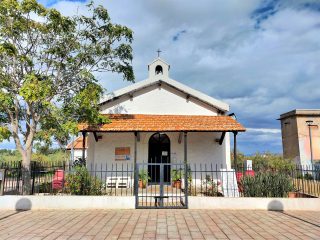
[157, 198]
[119, 182]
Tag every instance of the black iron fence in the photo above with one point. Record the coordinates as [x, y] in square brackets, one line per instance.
[161, 185]
[12, 179]
[189, 180]
[289, 181]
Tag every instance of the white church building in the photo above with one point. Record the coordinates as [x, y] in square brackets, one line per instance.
[160, 120]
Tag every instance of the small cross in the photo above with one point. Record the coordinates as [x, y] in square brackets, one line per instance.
[159, 51]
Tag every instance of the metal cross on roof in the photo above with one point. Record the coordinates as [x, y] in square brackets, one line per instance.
[159, 51]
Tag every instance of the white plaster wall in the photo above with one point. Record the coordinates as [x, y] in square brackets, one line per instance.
[273, 204]
[202, 148]
[110, 202]
[66, 202]
[77, 154]
[158, 100]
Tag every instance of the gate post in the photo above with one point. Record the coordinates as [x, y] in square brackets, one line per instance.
[186, 184]
[136, 183]
[19, 168]
[161, 185]
[2, 180]
[33, 167]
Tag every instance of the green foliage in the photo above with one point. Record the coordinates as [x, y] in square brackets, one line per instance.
[45, 187]
[47, 66]
[264, 161]
[9, 155]
[49, 156]
[80, 182]
[79, 162]
[35, 89]
[306, 176]
[4, 133]
[266, 184]
[144, 176]
[210, 187]
[176, 174]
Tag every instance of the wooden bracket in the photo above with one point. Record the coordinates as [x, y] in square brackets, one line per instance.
[180, 138]
[138, 136]
[95, 136]
[222, 138]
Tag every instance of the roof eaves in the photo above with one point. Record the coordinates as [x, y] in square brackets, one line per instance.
[300, 112]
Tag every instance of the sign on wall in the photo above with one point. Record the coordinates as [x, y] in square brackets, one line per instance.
[122, 153]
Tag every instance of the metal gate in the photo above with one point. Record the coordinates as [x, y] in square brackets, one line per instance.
[161, 185]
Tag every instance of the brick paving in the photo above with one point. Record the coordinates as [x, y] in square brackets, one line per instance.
[159, 224]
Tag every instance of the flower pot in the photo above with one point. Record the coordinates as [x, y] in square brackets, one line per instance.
[293, 194]
[142, 184]
[177, 184]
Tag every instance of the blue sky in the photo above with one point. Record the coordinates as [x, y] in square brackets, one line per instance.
[260, 56]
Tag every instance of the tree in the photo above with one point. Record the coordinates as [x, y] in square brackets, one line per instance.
[47, 66]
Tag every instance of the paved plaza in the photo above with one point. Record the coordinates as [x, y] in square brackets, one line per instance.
[159, 224]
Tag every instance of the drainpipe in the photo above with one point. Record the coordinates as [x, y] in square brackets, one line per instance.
[309, 123]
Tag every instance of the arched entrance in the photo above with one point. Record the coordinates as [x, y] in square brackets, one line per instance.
[159, 152]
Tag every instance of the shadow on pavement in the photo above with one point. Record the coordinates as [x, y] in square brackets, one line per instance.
[22, 205]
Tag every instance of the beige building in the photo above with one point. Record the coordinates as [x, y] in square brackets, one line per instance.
[298, 143]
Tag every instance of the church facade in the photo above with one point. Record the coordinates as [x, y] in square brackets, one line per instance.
[160, 120]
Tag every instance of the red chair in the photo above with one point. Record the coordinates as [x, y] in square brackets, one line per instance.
[58, 180]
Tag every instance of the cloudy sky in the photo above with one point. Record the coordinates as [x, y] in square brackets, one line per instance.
[260, 56]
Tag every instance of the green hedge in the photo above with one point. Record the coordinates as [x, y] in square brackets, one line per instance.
[267, 184]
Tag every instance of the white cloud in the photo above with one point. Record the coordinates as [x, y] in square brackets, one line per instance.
[260, 56]
[264, 130]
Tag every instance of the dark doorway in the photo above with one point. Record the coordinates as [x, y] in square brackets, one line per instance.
[159, 152]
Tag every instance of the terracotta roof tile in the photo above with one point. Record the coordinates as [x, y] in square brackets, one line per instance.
[162, 123]
[77, 144]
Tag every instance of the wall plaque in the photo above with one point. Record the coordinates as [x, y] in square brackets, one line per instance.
[122, 153]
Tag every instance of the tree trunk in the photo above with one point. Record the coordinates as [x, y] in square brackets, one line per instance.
[26, 174]
[26, 154]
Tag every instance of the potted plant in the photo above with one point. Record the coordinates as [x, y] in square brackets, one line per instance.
[143, 178]
[176, 178]
[294, 193]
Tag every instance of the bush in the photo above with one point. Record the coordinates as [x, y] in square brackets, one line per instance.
[176, 174]
[308, 176]
[44, 187]
[265, 161]
[210, 187]
[267, 184]
[82, 183]
[79, 162]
